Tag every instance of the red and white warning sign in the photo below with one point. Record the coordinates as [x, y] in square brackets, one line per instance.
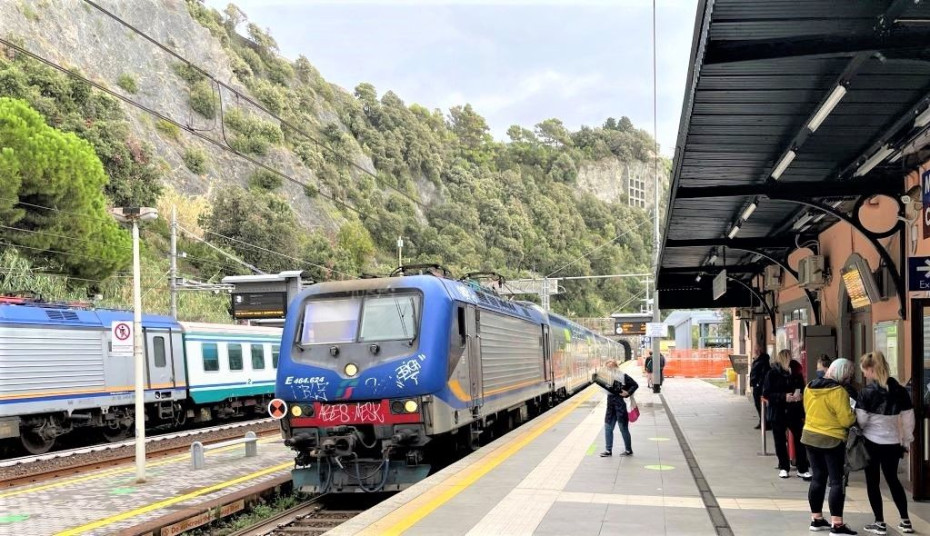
[277, 408]
[121, 337]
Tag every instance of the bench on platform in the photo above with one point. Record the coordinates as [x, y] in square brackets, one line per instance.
[198, 449]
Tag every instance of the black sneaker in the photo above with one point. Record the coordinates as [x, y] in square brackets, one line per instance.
[627, 453]
[842, 529]
[878, 527]
[905, 526]
[606, 453]
[818, 525]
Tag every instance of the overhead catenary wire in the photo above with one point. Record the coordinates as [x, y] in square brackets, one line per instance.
[598, 248]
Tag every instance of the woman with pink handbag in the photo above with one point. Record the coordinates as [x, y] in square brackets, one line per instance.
[617, 413]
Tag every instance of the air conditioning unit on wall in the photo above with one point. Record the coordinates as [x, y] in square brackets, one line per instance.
[812, 272]
[772, 277]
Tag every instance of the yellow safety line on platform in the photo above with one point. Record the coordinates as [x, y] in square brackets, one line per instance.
[174, 500]
[114, 472]
[399, 520]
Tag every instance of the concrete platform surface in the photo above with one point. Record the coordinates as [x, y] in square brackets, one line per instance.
[546, 478]
[109, 501]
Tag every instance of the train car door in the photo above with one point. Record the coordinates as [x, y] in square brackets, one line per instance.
[548, 373]
[473, 351]
[159, 362]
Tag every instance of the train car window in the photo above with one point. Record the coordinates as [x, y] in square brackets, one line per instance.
[211, 357]
[234, 353]
[463, 335]
[389, 318]
[158, 348]
[258, 357]
[330, 321]
[275, 352]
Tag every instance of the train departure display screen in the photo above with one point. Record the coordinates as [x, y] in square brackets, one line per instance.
[252, 305]
[855, 287]
[630, 328]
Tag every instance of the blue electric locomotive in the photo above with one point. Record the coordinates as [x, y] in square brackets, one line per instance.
[373, 371]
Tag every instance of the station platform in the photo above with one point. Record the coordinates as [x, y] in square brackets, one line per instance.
[110, 502]
[697, 469]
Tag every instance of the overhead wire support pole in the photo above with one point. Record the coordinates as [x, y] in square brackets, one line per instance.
[656, 342]
[174, 262]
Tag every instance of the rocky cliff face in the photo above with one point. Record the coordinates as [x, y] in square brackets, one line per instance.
[611, 180]
[76, 36]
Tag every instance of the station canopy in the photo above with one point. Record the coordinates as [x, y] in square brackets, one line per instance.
[790, 107]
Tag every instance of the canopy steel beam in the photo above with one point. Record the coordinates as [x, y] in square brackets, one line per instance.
[745, 244]
[794, 190]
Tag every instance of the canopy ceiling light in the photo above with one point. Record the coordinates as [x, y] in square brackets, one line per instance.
[873, 161]
[835, 97]
[923, 119]
[756, 258]
[749, 210]
[712, 259]
[733, 231]
[801, 221]
[818, 217]
[698, 278]
[783, 164]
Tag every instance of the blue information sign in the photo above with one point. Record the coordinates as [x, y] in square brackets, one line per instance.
[918, 273]
[925, 188]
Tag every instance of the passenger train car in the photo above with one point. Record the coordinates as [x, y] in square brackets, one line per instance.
[375, 372]
[59, 373]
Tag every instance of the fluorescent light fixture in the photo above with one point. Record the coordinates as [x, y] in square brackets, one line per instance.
[818, 217]
[733, 231]
[756, 258]
[698, 278]
[749, 210]
[835, 97]
[923, 119]
[802, 229]
[806, 217]
[836, 204]
[783, 164]
[896, 157]
[873, 161]
[712, 259]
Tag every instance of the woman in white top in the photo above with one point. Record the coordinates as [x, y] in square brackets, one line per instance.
[886, 416]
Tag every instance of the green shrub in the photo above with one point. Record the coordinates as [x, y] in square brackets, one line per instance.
[203, 101]
[168, 129]
[128, 83]
[187, 73]
[263, 179]
[311, 191]
[196, 160]
[253, 134]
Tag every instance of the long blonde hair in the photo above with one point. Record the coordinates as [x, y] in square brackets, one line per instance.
[876, 361]
[783, 359]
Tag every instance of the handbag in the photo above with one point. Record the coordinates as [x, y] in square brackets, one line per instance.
[857, 457]
[633, 413]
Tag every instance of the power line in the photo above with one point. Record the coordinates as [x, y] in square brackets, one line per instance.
[593, 250]
[221, 251]
[55, 235]
[252, 102]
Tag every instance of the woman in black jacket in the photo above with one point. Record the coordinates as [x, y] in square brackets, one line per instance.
[786, 412]
[617, 413]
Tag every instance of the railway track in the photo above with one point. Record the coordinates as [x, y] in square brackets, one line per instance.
[310, 518]
[43, 467]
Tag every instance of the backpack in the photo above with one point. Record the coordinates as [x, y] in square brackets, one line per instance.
[857, 457]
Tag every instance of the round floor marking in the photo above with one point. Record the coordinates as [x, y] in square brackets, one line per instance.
[660, 467]
[659, 439]
[122, 491]
[13, 518]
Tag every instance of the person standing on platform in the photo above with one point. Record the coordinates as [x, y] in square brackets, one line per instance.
[785, 411]
[829, 416]
[649, 364]
[822, 365]
[617, 414]
[886, 415]
[761, 365]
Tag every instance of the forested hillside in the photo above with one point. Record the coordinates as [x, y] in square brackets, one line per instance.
[265, 159]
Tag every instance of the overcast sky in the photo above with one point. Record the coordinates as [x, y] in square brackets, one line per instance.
[515, 61]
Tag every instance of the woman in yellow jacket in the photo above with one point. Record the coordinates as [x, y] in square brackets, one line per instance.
[829, 416]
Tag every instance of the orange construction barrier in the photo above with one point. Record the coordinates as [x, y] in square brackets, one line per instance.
[706, 363]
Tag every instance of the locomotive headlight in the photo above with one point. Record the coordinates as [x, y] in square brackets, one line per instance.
[410, 406]
[296, 411]
[351, 369]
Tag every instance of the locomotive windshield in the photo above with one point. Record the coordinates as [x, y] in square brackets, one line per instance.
[361, 319]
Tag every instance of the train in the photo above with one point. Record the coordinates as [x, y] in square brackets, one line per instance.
[380, 377]
[59, 372]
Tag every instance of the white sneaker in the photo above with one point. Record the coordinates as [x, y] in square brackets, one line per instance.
[806, 475]
[783, 474]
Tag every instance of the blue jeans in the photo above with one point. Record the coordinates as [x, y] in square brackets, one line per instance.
[624, 425]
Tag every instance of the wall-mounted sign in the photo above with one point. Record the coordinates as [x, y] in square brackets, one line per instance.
[251, 305]
[925, 211]
[656, 330]
[720, 284]
[630, 328]
[918, 273]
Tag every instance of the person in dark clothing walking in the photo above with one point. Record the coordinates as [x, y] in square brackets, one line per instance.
[617, 414]
[761, 365]
[885, 413]
[783, 392]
